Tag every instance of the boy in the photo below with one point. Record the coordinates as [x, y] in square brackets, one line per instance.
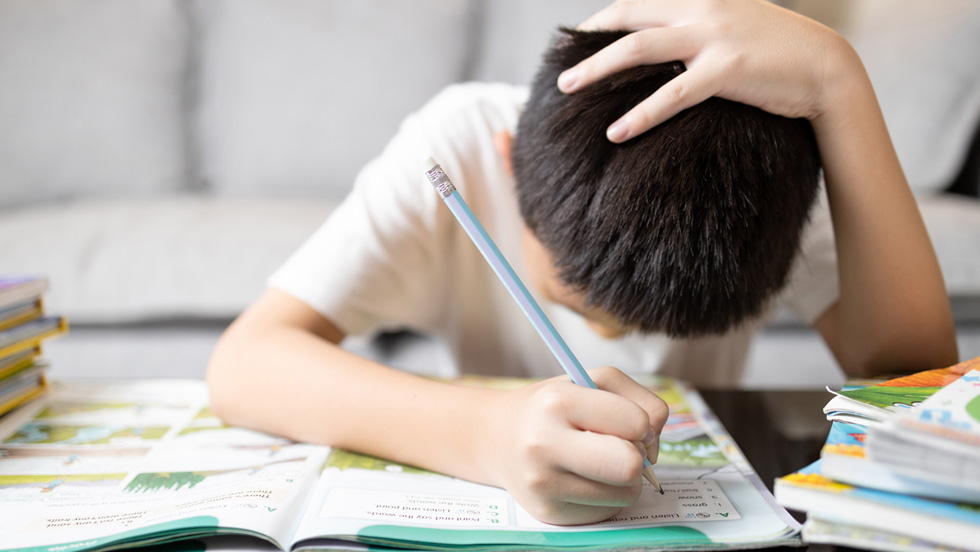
[393, 256]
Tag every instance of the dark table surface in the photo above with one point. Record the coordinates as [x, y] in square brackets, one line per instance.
[778, 431]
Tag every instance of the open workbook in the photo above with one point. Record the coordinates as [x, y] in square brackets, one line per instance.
[99, 466]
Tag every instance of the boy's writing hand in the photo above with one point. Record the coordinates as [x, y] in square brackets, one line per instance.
[573, 455]
[747, 51]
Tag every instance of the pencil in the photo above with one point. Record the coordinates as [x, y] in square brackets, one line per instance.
[451, 197]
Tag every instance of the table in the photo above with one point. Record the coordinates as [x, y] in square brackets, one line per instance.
[778, 431]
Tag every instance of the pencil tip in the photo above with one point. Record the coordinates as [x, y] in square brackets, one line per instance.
[652, 478]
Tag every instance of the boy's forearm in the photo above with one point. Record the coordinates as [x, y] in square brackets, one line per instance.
[893, 313]
[290, 382]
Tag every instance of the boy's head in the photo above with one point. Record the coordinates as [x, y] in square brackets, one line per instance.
[687, 229]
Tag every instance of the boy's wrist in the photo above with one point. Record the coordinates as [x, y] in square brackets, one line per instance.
[845, 89]
[491, 427]
[471, 439]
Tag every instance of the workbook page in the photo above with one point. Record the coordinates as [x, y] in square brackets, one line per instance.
[708, 496]
[144, 460]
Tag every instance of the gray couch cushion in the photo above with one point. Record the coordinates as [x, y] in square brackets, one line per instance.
[953, 223]
[183, 257]
[922, 59]
[91, 98]
[517, 32]
[297, 95]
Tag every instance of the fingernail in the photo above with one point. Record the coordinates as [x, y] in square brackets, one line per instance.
[653, 451]
[619, 131]
[650, 438]
[566, 80]
[652, 444]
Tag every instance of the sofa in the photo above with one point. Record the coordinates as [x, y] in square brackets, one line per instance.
[159, 159]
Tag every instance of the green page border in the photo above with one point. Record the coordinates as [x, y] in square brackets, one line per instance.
[197, 526]
[388, 535]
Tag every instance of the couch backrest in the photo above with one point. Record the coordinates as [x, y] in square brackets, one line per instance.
[291, 97]
[235, 97]
[92, 99]
[922, 59]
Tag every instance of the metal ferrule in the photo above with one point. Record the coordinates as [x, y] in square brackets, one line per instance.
[437, 177]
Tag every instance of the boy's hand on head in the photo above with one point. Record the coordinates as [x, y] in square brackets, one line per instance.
[572, 455]
[749, 51]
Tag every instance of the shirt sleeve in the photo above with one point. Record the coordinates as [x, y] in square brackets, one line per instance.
[373, 263]
[380, 261]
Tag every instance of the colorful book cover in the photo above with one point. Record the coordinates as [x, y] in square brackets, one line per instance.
[950, 417]
[21, 386]
[844, 459]
[19, 313]
[16, 289]
[871, 403]
[29, 335]
[943, 522]
[19, 360]
[938, 440]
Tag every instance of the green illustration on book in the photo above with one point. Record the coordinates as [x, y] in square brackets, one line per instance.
[344, 459]
[186, 480]
[46, 483]
[171, 481]
[910, 390]
[75, 408]
[972, 408]
[205, 414]
[697, 451]
[44, 433]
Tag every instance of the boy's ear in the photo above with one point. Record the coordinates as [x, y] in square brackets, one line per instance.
[502, 142]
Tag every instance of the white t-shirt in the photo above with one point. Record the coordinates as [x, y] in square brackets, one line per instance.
[392, 256]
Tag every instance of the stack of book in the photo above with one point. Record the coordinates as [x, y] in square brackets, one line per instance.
[900, 469]
[23, 326]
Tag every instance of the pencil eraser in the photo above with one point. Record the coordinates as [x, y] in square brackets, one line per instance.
[428, 164]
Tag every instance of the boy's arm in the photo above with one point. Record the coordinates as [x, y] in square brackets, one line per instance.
[893, 313]
[278, 369]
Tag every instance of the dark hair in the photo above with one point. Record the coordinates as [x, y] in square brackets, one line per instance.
[687, 229]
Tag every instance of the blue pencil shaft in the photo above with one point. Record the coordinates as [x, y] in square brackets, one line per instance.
[518, 290]
[438, 178]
